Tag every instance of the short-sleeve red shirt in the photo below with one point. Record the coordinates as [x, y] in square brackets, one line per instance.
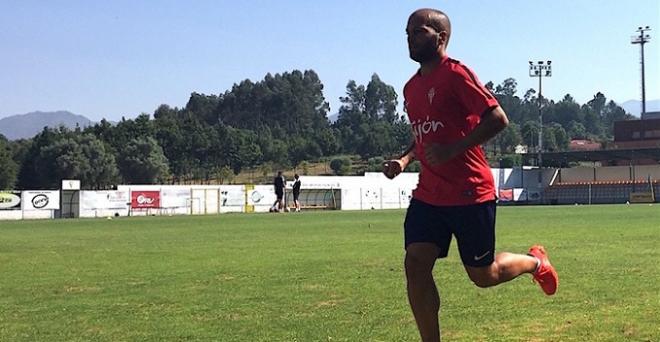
[443, 107]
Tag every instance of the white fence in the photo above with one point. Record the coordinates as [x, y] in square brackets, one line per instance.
[371, 191]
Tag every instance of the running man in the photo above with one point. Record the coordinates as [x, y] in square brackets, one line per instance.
[451, 115]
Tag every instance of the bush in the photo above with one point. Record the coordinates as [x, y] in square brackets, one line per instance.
[341, 166]
[375, 164]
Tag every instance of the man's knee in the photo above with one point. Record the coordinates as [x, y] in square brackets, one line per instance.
[483, 276]
[483, 282]
[420, 260]
[415, 264]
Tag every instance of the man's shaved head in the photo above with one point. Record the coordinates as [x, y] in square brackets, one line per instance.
[436, 19]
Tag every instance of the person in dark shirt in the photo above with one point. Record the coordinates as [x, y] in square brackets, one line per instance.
[279, 183]
[296, 191]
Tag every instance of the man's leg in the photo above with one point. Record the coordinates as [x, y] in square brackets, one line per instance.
[279, 202]
[506, 266]
[422, 292]
[476, 243]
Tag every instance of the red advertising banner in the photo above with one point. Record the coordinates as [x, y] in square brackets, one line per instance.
[145, 199]
[506, 195]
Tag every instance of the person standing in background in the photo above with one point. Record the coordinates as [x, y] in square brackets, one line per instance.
[296, 191]
[278, 183]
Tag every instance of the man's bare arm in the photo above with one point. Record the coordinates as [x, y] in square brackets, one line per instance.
[394, 167]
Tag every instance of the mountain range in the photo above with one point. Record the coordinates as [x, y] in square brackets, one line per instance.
[25, 126]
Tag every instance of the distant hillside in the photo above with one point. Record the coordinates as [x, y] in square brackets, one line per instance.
[634, 107]
[28, 125]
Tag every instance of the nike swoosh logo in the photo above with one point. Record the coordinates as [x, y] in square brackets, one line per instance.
[477, 258]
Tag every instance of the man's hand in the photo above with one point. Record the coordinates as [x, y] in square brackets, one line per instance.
[437, 154]
[392, 168]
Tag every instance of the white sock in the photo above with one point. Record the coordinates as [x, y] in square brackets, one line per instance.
[538, 264]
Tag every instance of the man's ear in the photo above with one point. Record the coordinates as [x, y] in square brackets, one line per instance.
[442, 38]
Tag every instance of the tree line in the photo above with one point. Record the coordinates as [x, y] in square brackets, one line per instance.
[278, 122]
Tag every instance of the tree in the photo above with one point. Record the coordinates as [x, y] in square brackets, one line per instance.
[203, 107]
[8, 168]
[64, 159]
[560, 137]
[591, 121]
[505, 94]
[368, 123]
[143, 162]
[170, 132]
[377, 139]
[29, 176]
[611, 113]
[102, 172]
[530, 133]
[352, 111]
[564, 111]
[576, 130]
[265, 169]
[597, 104]
[75, 155]
[328, 141]
[288, 104]
[509, 138]
[225, 174]
[240, 148]
[380, 101]
[301, 149]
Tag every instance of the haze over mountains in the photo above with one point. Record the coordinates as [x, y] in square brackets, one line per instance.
[28, 125]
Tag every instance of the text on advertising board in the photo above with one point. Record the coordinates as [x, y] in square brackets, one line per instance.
[145, 199]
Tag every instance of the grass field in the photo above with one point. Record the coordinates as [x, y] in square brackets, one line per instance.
[320, 276]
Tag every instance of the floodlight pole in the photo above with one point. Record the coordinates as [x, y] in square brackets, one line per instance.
[539, 70]
[642, 39]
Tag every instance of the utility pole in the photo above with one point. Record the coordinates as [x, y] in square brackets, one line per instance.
[540, 69]
[642, 39]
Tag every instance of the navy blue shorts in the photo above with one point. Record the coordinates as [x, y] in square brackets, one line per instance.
[473, 226]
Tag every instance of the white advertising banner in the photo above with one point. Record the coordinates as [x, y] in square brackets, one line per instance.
[261, 195]
[41, 200]
[175, 198]
[10, 200]
[91, 200]
[232, 195]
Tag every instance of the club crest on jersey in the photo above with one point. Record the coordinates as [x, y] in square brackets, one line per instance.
[431, 95]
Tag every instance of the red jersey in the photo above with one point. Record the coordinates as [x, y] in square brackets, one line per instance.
[443, 107]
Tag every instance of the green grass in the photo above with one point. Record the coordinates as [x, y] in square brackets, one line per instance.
[320, 276]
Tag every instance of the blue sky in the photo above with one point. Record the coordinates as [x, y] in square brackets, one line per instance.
[121, 58]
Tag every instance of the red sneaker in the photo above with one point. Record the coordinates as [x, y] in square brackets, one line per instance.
[545, 275]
